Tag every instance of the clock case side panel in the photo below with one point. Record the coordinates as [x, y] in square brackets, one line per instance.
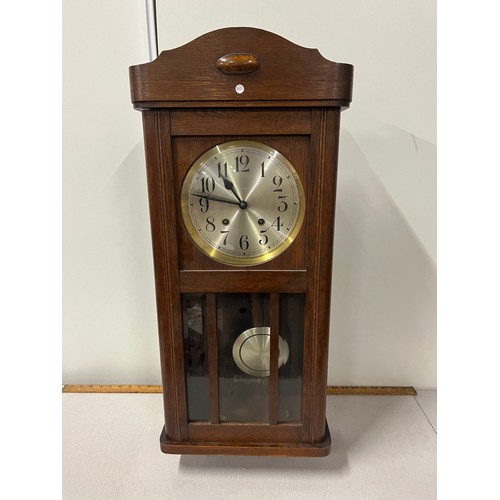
[320, 234]
[163, 214]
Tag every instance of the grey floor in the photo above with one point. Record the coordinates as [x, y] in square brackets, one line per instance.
[384, 447]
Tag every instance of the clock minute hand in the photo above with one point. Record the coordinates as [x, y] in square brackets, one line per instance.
[213, 197]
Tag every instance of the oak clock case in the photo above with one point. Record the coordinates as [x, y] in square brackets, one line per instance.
[241, 157]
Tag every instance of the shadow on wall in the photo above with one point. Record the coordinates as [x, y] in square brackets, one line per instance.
[383, 316]
[110, 331]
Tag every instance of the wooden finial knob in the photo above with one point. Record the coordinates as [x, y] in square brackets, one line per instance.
[238, 64]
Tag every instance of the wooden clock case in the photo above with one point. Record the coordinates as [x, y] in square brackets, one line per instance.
[290, 98]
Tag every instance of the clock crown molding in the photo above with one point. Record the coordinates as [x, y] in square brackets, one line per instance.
[249, 66]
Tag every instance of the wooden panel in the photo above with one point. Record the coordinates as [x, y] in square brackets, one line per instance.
[331, 103]
[324, 148]
[269, 448]
[244, 433]
[287, 71]
[165, 255]
[243, 122]
[274, 311]
[243, 281]
[211, 316]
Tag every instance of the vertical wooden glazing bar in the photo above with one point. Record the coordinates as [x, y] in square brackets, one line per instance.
[274, 311]
[211, 315]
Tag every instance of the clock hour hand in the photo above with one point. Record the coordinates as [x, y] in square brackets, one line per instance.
[213, 197]
[230, 187]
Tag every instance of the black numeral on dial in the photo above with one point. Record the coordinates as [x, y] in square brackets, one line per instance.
[244, 242]
[283, 206]
[277, 224]
[222, 169]
[242, 163]
[207, 184]
[210, 227]
[204, 204]
[224, 242]
[264, 239]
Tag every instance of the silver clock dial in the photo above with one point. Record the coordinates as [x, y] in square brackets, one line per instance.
[242, 203]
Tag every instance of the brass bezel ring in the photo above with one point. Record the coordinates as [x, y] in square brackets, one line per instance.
[209, 250]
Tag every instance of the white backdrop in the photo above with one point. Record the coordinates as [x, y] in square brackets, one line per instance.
[383, 323]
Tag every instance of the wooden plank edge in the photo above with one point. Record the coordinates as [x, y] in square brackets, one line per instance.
[107, 389]
[371, 390]
[157, 389]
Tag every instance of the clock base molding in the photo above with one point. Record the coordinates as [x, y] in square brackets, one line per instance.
[248, 449]
[157, 389]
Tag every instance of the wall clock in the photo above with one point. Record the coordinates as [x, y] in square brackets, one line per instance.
[241, 135]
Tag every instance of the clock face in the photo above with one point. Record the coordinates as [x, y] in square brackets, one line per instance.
[242, 203]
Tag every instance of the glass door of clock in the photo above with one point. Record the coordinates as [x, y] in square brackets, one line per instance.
[291, 314]
[243, 335]
[243, 357]
[196, 362]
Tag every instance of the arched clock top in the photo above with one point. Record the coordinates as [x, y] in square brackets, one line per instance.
[248, 65]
